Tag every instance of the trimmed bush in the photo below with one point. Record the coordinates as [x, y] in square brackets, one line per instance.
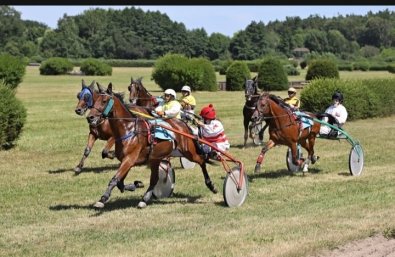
[201, 75]
[362, 98]
[56, 66]
[362, 66]
[12, 70]
[272, 76]
[236, 76]
[324, 68]
[291, 70]
[176, 70]
[93, 67]
[12, 117]
[303, 64]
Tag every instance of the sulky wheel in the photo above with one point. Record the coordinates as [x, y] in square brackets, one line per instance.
[290, 165]
[356, 160]
[186, 164]
[232, 196]
[167, 179]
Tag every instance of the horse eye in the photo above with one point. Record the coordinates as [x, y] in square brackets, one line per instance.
[78, 96]
[129, 88]
[86, 97]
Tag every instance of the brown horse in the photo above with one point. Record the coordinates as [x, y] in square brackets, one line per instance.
[135, 145]
[249, 108]
[139, 95]
[86, 98]
[286, 129]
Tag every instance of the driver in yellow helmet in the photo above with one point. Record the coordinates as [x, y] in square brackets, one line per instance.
[292, 100]
[187, 101]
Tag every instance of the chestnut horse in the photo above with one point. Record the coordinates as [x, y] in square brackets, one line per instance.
[134, 144]
[140, 96]
[249, 108]
[285, 128]
[86, 98]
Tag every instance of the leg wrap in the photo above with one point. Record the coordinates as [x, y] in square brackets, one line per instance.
[87, 151]
[260, 158]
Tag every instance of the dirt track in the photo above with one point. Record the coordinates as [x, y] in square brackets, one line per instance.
[376, 246]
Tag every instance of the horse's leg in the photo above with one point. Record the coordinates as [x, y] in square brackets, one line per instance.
[106, 153]
[306, 145]
[262, 131]
[118, 178]
[91, 140]
[270, 144]
[154, 165]
[158, 153]
[246, 128]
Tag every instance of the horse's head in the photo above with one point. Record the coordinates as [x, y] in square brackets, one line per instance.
[102, 107]
[263, 104]
[85, 98]
[136, 89]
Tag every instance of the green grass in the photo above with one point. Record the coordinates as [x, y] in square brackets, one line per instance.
[47, 211]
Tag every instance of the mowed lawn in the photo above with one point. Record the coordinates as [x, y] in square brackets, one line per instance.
[46, 210]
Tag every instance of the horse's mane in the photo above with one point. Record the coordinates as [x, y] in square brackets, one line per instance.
[120, 96]
[278, 100]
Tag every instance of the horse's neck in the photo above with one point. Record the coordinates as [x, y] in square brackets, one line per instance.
[144, 98]
[121, 120]
[281, 116]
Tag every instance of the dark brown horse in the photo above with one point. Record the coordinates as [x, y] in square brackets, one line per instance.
[286, 129]
[252, 96]
[134, 144]
[86, 98]
[139, 95]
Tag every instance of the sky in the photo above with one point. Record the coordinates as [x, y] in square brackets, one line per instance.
[226, 20]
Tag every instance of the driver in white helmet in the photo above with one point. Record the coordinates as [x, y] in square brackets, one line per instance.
[187, 101]
[171, 108]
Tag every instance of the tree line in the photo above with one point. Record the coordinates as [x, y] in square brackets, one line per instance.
[132, 33]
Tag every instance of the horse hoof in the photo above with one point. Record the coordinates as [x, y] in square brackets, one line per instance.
[99, 205]
[141, 205]
[314, 159]
[138, 184]
[257, 168]
[77, 170]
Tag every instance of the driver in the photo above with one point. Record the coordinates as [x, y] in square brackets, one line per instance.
[338, 111]
[171, 107]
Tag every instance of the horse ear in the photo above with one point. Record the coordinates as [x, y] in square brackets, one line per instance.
[83, 83]
[109, 89]
[140, 79]
[131, 79]
[92, 84]
[99, 87]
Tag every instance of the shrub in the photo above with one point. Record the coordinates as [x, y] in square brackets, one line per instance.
[176, 70]
[303, 64]
[12, 70]
[291, 70]
[362, 98]
[236, 75]
[201, 75]
[12, 117]
[391, 68]
[272, 76]
[324, 68]
[56, 66]
[363, 66]
[95, 67]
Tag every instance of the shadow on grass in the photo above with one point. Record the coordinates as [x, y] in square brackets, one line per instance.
[131, 202]
[102, 169]
[280, 173]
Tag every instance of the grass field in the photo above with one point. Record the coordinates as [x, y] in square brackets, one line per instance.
[48, 211]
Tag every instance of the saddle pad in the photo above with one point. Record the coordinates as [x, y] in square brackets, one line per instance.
[160, 132]
[306, 122]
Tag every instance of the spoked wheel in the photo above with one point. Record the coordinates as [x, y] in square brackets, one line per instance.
[356, 160]
[255, 129]
[167, 179]
[232, 196]
[186, 164]
[290, 165]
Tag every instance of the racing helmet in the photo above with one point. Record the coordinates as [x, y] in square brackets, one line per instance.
[208, 112]
[186, 88]
[170, 91]
[338, 96]
[291, 90]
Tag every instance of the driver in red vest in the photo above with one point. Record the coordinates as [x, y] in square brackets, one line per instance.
[212, 131]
